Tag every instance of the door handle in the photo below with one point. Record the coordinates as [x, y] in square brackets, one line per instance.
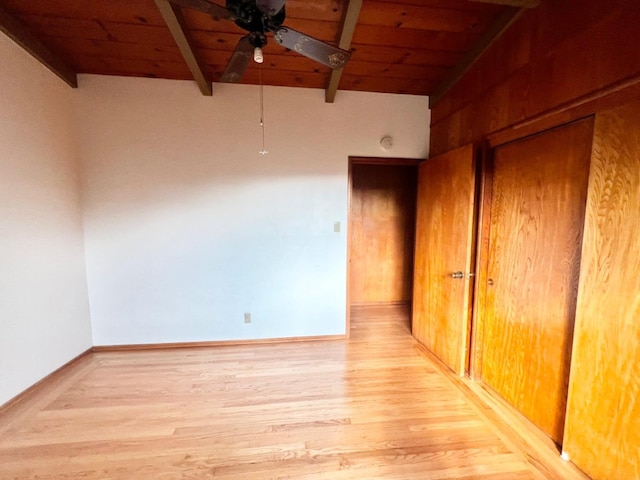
[457, 275]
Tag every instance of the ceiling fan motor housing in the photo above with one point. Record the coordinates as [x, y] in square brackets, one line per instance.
[249, 17]
[257, 39]
[260, 17]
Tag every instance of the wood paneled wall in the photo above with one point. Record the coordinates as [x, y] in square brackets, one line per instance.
[603, 417]
[555, 55]
[382, 219]
[562, 61]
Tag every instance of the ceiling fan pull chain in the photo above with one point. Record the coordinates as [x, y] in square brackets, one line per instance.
[264, 150]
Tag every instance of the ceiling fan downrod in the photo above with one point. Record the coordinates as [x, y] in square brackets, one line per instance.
[264, 150]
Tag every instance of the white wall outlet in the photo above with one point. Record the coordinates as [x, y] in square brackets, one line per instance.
[336, 227]
[247, 318]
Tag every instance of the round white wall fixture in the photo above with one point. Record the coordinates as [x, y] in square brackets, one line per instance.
[386, 143]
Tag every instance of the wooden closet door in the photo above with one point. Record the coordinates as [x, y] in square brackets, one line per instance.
[444, 245]
[536, 222]
[603, 418]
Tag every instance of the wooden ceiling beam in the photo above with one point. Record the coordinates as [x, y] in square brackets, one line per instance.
[174, 19]
[502, 23]
[346, 35]
[17, 32]
[512, 3]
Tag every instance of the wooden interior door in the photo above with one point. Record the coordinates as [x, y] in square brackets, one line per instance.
[381, 232]
[602, 434]
[443, 257]
[536, 223]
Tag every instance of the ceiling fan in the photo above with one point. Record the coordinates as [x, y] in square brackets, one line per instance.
[260, 17]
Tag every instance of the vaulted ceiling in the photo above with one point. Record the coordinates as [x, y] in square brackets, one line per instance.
[398, 46]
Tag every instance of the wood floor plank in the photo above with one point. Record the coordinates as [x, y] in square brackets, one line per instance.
[371, 407]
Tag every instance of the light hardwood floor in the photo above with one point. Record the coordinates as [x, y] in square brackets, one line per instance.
[372, 407]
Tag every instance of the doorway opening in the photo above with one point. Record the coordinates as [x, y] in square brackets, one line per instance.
[381, 231]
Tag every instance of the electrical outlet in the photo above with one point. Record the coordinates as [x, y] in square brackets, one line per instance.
[247, 318]
[336, 227]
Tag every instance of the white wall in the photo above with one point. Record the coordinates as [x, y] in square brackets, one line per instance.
[44, 312]
[188, 227]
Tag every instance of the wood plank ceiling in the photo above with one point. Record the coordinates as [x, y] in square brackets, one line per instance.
[398, 46]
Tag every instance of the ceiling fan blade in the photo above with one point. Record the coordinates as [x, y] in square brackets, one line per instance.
[206, 7]
[313, 48]
[239, 61]
[270, 7]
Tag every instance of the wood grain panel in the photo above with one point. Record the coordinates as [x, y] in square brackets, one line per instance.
[413, 56]
[327, 10]
[381, 230]
[553, 55]
[544, 40]
[96, 29]
[537, 214]
[461, 5]
[603, 420]
[370, 69]
[411, 38]
[143, 12]
[422, 17]
[383, 84]
[444, 234]
[111, 49]
[132, 67]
